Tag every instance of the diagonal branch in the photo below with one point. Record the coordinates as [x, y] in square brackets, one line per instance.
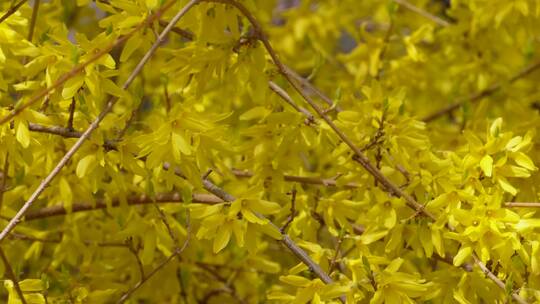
[281, 93]
[12, 276]
[4, 179]
[35, 10]
[94, 125]
[12, 10]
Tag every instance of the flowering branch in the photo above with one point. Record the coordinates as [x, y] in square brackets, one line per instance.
[17, 218]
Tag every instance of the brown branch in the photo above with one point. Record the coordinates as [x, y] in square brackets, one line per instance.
[133, 200]
[135, 252]
[185, 34]
[12, 10]
[165, 222]
[12, 276]
[336, 252]
[386, 184]
[32, 26]
[423, 13]
[4, 180]
[65, 132]
[71, 115]
[281, 93]
[304, 83]
[484, 93]
[283, 229]
[521, 205]
[94, 125]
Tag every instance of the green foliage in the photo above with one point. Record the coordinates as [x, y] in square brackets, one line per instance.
[131, 207]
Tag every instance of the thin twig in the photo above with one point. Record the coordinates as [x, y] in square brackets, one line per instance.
[12, 10]
[283, 229]
[4, 180]
[423, 13]
[281, 93]
[165, 222]
[134, 200]
[484, 93]
[12, 276]
[135, 252]
[186, 34]
[304, 83]
[65, 132]
[522, 205]
[336, 252]
[35, 10]
[17, 218]
[175, 253]
[128, 293]
[71, 115]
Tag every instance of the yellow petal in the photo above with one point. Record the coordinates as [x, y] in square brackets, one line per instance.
[255, 113]
[23, 135]
[72, 86]
[524, 161]
[223, 235]
[487, 165]
[295, 280]
[132, 44]
[463, 253]
[180, 143]
[506, 185]
[85, 165]
[149, 248]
